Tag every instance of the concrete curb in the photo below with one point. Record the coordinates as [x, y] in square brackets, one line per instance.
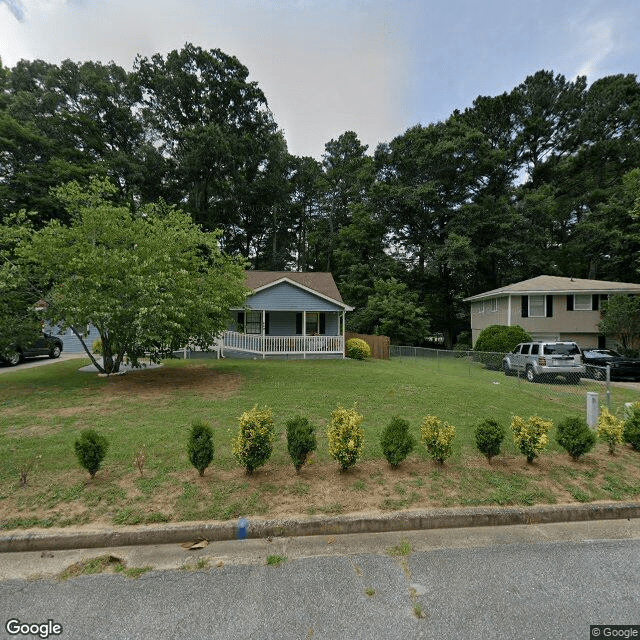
[90, 538]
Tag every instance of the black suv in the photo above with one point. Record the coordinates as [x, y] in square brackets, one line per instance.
[45, 345]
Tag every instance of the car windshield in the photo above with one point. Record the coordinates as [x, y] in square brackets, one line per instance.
[604, 354]
[561, 349]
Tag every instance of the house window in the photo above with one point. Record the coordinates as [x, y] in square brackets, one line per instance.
[253, 322]
[494, 304]
[582, 302]
[537, 307]
[313, 323]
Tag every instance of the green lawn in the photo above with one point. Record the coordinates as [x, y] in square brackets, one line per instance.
[44, 408]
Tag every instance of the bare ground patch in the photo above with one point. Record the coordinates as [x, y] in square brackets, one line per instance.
[154, 384]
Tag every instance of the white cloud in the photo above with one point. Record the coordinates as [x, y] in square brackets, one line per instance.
[325, 67]
[598, 39]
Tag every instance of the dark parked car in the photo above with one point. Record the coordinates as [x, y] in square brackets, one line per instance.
[45, 345]
[621, 368]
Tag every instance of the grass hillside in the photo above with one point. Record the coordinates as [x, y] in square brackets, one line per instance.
[44, 408]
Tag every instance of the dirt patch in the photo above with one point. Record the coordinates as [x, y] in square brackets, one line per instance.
[371, 487]
[157, 383]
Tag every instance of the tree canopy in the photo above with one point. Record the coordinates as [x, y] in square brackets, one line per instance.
[150, 281]
[542, 179]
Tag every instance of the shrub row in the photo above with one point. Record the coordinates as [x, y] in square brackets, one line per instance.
[253, 443]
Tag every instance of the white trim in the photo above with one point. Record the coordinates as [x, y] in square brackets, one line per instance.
[281, 345]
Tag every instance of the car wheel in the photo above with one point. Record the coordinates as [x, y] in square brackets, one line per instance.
[13, 358]
[507, 369]
[599, 374]
[531, 376]
[55, 351]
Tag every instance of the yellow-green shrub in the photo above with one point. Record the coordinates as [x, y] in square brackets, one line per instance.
[253, 444]
[531, 437]
[345, 436]
[437, 437]
[610, 429]
[358, 349]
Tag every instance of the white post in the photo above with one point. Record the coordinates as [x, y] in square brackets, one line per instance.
[304, 335]
[593, 409]
[264, 323]
[344, 334]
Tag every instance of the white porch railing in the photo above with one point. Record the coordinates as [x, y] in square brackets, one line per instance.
[266, 345]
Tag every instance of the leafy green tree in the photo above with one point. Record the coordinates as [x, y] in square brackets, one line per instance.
[621, 321]
[19, 295]
[347, 176]
[392, 310]
[69, 121]
[150, 282]
[223, 147]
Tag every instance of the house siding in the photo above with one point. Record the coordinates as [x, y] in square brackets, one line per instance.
[577, 326]
[286, 297]
[70, 342]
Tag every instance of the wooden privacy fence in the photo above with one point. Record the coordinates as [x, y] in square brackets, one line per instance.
[379, 344]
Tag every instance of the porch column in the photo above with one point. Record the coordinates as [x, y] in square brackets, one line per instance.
[264, 320]
[344, 333]
[304, 334]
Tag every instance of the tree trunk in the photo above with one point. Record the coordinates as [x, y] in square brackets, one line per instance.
[84, 346]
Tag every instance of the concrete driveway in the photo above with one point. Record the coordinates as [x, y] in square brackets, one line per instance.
[40, 362]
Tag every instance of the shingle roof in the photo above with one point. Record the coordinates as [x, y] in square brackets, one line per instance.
[557, 284]
[319, 281]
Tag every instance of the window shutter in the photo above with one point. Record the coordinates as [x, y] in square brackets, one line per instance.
[525, 306]
[549, 306]
[299, 323]
[595, 302]
[569, 301]
[266, 323]
[323, 324]
[241, 320]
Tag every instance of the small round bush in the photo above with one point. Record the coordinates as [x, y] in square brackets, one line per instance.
[498, 338]
[438, 437]
[530, 437]
[345, 436]
[91, 448]
[200, 445]
[631, 433]
[396, 441]
[489, 436]
[96, 347]
[358, 349]
[575, 436]
[610, 429]
[301, 440]
[253, 444]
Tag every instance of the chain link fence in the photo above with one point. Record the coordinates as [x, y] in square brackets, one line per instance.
[569, 392]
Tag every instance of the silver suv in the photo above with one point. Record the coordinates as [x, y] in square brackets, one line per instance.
[545, 360]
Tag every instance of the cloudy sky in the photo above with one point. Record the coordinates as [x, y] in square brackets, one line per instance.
[375, 67]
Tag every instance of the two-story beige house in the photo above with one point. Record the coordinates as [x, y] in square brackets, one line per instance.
[549, 308]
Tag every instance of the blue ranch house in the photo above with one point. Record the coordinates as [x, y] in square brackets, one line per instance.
[288, 315]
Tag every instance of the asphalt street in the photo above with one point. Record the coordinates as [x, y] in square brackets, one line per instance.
[530, 582]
